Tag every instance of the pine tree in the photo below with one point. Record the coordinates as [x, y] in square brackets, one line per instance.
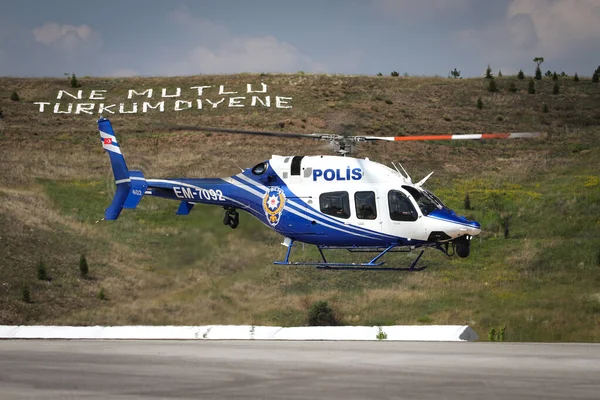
[576, 77]
[556, 88]
[521, 75]
[479, 103]
[531, 87]
[595, 77]
[488, 72]
[538, 73]
[499, 73]
[492, 86]
[512, 88]
[83, 266]
[554, 76]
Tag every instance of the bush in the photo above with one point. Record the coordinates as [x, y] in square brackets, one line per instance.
[379, 74]
[512, 88]
[531, 87]
[488, 72]
[521, 75]
[395, 73]
[467, 202]
[554, 76]
[548, 74]
[320, 314]
[1, 114]
[545, 108]
[499, 73]
[455, 73]
[492, 86]
[479, 103]
[25, 294]
[41, 271]
[556, 88]
[388, 101]
[83, 266]
[101, 294]
[576, 77]
[538, 73]
[14, 96]
[381, 335]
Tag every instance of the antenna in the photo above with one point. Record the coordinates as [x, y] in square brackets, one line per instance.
[407, 176]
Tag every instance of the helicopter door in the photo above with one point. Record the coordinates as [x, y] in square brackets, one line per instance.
[295, 169]
[403, 219]
[366, 210]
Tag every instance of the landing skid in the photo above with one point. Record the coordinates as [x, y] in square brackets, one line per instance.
[372, 265]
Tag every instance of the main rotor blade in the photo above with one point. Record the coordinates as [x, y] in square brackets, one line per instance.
[246, 132]
[510, 135]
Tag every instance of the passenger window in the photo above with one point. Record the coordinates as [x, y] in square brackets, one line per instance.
[336, 204]
[401, 208]
[365, 205]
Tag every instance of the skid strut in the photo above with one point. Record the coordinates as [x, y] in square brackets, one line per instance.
[373, 264]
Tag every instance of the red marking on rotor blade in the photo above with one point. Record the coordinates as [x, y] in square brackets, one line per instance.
[495, 135]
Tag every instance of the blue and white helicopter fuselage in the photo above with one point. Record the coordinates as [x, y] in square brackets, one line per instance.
[327, 201]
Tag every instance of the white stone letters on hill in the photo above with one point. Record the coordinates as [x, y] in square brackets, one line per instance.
[177, 99]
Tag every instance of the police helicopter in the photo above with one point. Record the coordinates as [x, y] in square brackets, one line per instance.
[332, 202]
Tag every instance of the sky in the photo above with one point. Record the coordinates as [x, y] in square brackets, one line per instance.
[112, 38]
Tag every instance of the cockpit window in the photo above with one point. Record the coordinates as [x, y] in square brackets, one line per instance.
[426, 201]
[401, 208]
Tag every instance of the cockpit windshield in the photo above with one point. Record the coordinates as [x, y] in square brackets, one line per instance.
[426, 200]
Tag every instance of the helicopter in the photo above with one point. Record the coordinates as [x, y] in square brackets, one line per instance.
[335, 202]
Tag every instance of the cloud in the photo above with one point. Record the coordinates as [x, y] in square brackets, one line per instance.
[215, 49]
[66, 37]
[555, 29]
[410, 10]
[559, 25]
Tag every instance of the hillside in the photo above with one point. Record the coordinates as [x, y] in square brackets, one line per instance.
[541, 282]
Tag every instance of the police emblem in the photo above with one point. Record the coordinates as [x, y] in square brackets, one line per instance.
[273, 202]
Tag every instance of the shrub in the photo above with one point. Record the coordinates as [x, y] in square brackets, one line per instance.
[41, 271]
[512, 88]
[556, 88]
[101, 294]
[381, 335]
[395, 73]
[25, 294]
[554, 76]
[14, 96]
[388, 101]
[488, 72]
[548, 74]
[83, 266]
[320, 314]
[545, 108]
[379, 74]
[576, 77]
[455, 73]
[1, 114]
[492, 86]
[499, 73]
[467, 202]
[479, 103]
[563, 74]
[531, 87]
[521, 75]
